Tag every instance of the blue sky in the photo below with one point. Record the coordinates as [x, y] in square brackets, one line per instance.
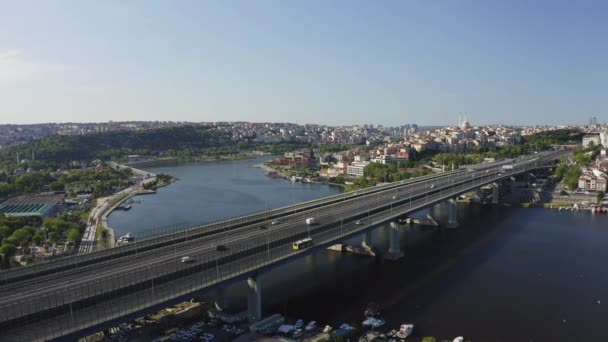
[332, 62]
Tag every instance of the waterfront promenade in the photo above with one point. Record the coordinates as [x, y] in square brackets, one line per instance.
[98, 219]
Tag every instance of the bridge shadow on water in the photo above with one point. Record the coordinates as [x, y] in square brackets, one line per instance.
[333, 287]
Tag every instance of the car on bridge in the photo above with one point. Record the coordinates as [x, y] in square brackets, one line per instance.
[221, 248]
[275, 222]
[187, 259]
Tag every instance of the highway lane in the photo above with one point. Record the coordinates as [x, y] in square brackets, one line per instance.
[355, 207]
[74, 262]
[56, 266]
[120, 305]
[66, 263]
[167, 252]
[346, 209]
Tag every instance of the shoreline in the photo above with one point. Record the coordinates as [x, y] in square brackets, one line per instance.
[191, 160]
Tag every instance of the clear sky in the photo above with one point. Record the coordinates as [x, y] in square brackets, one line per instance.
[332, 62]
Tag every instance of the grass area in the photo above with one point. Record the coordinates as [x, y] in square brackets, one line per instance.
[84, 216]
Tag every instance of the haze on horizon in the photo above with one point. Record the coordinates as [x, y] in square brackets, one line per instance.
[330, 62]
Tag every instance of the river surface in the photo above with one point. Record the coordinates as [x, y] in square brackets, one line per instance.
[506, 274]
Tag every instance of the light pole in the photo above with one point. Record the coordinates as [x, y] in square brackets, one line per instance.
[268, 245]
[151, 278]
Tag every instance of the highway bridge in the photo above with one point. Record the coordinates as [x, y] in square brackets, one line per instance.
[72, 296]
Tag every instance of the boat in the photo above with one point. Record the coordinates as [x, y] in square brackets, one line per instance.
[374, 323]
[126, 239]
[405, 330]
[458, 339]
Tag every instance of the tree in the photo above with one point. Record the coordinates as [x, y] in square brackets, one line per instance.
[74, 235]
[8, 249]
[57, 186]
[38, 237]
[5, 231]
[22, 236]
[600, 196]
[429, 339]
[6, 252]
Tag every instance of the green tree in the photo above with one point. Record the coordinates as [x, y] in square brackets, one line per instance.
[74, 235]
[57, 186]
[21, 237]
[600, 196]
[38, 237]
[571, 178]
[429, 339]
[5, 231]
[8, 249]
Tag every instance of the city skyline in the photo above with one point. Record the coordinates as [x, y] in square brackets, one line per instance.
[336, 64]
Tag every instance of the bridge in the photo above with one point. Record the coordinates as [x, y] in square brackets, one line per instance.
[73, 296]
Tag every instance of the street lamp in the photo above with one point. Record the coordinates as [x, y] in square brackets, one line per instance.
[151, 278]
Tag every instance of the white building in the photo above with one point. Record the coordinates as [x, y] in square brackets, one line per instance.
[591, 137]
[356, 169]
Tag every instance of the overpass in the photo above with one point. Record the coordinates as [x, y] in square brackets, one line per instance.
[75, 295]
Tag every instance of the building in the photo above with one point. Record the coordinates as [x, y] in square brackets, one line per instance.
[591, 137]
[592, 180]
[389, 159]
[356, 169]
[32, 205]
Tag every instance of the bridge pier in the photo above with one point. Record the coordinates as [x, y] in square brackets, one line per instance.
[479, 195]
[254, 298]
[495, 193]
[432, 210]
[367, 239]
[221, 301]
[394, 245]
[452, 213]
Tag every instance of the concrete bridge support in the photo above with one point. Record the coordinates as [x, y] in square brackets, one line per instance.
[367, 239]
[432, 210]
[254, 298]
[221, 301]
[394, 245]
[495, 193]
[479, 194]
[452, 213]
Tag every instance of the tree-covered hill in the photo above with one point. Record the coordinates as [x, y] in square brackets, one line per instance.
[61, 148]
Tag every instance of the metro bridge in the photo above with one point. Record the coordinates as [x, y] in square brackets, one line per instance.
[74, 296]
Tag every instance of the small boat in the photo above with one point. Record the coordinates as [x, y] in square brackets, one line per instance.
[458, 339]
[405, 330]
[373, 323]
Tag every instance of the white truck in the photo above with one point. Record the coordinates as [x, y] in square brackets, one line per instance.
[507, 167]
[310, 221]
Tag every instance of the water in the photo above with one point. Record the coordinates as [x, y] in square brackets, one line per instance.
[506, 274]
[211, 191]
